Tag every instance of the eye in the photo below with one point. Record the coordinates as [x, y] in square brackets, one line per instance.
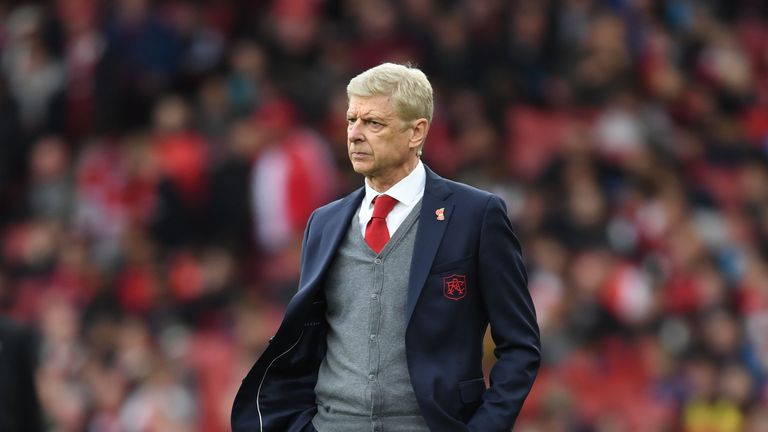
[374, 124]
[351, 121]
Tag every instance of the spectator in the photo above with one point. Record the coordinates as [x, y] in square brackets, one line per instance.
[19, 404]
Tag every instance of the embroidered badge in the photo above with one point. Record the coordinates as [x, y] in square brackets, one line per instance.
[440, 213]
[455, 287]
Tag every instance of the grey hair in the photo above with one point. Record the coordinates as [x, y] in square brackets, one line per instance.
[408, 87]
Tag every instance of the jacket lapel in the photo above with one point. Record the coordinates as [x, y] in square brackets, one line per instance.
[334, 229]
[429, 235]
[428, 238]
[316, 261]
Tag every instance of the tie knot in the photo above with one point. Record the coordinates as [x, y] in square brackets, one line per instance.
[382, 205]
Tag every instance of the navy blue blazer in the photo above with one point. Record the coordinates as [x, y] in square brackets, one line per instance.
[467, 271]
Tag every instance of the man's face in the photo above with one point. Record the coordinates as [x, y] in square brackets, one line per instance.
[380, 144]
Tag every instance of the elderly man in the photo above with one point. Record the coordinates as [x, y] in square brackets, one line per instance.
[399, 281]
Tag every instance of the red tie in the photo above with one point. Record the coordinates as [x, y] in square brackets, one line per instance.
[376, 233]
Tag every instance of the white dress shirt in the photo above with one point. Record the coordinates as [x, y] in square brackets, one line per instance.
[408, 192]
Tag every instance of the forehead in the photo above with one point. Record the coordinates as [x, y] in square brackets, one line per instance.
[380, 105]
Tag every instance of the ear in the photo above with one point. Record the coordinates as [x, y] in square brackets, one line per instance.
[418, 133]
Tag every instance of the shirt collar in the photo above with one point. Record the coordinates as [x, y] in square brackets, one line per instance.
[406, 191]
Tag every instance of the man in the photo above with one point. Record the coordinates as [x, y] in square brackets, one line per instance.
[19, 404]
[399, 281]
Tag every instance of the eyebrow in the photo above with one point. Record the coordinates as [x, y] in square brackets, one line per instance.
[369, 115]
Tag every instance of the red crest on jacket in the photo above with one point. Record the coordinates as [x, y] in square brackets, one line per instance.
[455, 287]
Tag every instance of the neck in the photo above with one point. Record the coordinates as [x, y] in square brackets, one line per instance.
[383, 183]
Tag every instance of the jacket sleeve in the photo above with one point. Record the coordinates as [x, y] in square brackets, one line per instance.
[503, 284]
[278, 392]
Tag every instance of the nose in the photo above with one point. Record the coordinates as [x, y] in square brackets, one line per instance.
[355, 131]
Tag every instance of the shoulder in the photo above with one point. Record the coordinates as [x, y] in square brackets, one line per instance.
[334, 208]
[471, 196]
[329, 209]
[10, 328]
[19, 338]
[466, 191]
[442, 186]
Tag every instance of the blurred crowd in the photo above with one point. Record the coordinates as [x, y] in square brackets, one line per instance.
[158, 161]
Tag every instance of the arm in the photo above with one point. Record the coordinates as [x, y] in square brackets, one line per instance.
[278, 392]
[503, 284]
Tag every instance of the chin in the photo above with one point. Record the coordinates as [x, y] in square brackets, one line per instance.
[361, 168]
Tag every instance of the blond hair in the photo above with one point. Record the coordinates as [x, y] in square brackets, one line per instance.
[408, 87]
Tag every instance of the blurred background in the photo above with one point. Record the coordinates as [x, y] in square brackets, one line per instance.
[159, 159]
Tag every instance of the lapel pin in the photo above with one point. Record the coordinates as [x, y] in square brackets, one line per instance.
[440, 213]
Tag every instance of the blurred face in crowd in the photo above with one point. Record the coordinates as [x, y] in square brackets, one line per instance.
[381, 145]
